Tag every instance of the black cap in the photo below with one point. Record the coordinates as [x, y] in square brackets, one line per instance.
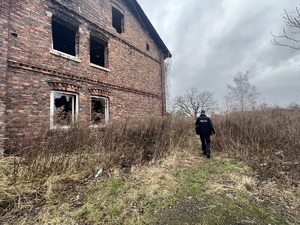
[202, 111]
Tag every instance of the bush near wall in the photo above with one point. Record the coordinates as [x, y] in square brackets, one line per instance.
[130, 141]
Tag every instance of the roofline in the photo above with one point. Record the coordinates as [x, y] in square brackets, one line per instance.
[137, 9]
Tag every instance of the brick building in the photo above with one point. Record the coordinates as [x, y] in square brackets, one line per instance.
[67, 61]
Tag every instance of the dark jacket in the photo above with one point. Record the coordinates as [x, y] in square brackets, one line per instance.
[204, 126]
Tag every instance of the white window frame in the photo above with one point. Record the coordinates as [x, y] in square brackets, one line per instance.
[74, 109]
[106, 111]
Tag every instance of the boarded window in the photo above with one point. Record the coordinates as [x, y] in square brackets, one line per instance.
[99, 111]
[63, 109]
[64, 37]
[98, 52]
[117, 20]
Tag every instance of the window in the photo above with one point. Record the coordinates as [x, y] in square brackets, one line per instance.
[64, 37]
[99, 111]
[148, 47]
[117, 20]
[98, 52]
[63, 109]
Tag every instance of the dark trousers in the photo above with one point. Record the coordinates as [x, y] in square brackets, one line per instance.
[205, 140]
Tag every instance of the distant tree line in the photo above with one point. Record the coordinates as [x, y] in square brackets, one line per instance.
[241, 96]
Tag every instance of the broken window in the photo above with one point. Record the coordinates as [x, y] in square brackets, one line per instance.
[98, 52]
[99, 111]
[64, 37]
[63, 108]
[117, 20]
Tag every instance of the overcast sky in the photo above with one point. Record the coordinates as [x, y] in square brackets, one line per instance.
[212, 40]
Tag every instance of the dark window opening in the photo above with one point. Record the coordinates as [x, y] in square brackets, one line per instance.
[117, 20]
[97, 53]
[148, 47]
[98, 111]
[64, 38]
[64, 110]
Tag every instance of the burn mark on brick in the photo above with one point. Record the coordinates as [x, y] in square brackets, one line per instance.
[73, 17]
[65, 14]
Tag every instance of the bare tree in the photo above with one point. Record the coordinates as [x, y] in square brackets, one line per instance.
[296, 104]
[242, 95]
[292, 21]
[193, 101]
[298, 96]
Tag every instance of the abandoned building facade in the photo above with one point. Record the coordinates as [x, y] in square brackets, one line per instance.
[73, 61]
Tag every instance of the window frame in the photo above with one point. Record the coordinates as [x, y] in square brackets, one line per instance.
[75, 29]
[104, 43]
[106, 109]
[115, 10]
[75, 109]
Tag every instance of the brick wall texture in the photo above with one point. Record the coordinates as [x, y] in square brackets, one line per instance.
[4, 8]
[133, 81]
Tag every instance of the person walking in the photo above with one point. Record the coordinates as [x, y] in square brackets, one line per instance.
[204, 128]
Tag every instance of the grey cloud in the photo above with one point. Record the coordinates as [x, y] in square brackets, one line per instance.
[213, 40]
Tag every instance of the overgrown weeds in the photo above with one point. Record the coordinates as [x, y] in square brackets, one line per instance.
[47, 169]
[265, 139]
[83, 151]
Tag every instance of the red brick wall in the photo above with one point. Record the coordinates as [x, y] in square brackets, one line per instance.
[4, 8]
[134, 82]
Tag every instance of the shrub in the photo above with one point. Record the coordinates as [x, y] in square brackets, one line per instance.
[133, 141]
[266, 139]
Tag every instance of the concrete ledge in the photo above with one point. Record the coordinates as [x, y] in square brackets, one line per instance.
[64, 55]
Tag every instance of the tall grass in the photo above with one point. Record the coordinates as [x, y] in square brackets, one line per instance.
[266, 139]
[78, 149]
[82, 151]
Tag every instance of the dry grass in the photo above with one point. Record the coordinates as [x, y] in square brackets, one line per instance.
[236, 180]
[82, 152]
[267, 140]
[78, 149]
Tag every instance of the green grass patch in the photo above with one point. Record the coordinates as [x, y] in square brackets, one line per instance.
[217, 210]
[193, 205]
[192, 181]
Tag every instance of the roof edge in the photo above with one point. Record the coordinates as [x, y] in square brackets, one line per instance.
[137, 9]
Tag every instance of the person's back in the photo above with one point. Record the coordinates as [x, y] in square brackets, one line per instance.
[204, 125]
[204, 128]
